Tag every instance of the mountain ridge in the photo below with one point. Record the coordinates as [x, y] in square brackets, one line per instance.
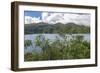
[55, 28]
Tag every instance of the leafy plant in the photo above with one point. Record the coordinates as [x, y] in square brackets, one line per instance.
[27, 43]
[73, 48]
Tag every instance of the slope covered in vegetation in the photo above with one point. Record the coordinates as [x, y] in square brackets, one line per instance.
[55, 28]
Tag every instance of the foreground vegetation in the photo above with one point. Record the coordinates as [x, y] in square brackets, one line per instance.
[74, 48]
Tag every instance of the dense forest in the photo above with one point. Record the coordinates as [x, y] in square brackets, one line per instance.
[55, 28]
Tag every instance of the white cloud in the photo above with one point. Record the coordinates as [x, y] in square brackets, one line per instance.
[55, 17]
[44, 16]
[64, 18]
[29, 19]
[36, 20]
[81, 19]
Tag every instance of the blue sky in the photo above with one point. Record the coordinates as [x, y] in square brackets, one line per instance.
[33, 13]
[39, 13]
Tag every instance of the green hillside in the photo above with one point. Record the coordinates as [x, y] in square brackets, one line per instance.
[56, 28]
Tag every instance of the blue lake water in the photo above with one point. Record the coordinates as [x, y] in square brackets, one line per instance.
[51, 37]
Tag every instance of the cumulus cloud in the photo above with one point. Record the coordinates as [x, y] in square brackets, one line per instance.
[81, 19]
[29, 19]
[44, 16]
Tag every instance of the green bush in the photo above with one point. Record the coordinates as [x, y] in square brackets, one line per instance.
[60, 49]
